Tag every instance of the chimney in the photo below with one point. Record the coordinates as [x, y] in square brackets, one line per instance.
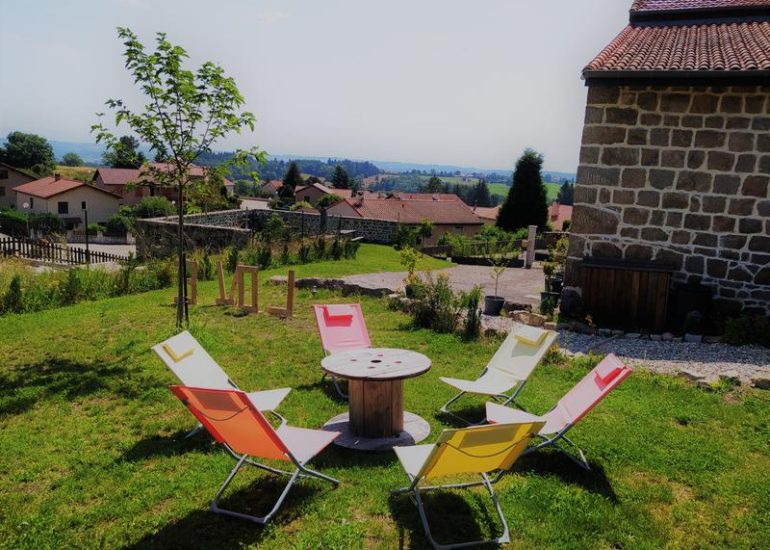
[56, 176]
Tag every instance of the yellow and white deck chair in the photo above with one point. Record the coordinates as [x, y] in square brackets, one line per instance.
[474, 450]
[509, 368]
[194, 367]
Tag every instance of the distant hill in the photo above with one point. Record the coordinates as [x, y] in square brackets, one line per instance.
[91, 153]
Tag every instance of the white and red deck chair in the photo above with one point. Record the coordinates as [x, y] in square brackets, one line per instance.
[570, 409]
[193, 366]
[342, 328]
[233, 420]
[508, 370]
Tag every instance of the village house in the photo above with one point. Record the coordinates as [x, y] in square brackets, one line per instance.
[67, 199]
[316, 191]
[487, 214]
[448, 215]
[675, 159]
[133, 184]
[558, 214]
[11, 177]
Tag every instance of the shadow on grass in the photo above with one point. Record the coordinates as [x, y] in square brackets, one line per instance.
[205, 529]
[169, 445]
[327, 387]
[451, 518]
[23, 386]
[472, 414]
[557, 464]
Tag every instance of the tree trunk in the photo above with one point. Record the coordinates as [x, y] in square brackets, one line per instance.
[182, 313]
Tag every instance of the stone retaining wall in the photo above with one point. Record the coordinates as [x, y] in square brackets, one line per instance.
[679, 175]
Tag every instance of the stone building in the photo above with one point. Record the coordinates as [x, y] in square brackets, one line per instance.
[675, 157]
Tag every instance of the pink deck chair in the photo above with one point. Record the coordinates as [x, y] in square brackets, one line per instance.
[342, 328]
[570, 409]
[233, 420]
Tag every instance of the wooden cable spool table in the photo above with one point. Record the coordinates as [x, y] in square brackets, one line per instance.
[376, 419]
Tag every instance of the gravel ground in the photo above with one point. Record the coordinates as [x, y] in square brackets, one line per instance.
[707, 361]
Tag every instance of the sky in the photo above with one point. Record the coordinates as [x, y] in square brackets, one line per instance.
[460, 82]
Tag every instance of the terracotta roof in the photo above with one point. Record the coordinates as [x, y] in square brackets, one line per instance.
[558, 214]
[725, 48]
[414, 211]
[683, 5]
[427, 196]
[342, 193]
[124, 176]
[50, 187]
[487, 213]
[272, 186]
[689, 39]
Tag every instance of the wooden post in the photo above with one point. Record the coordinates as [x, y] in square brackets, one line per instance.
[192, 280]
[530, 258]
[240, 273]
[223, 300]
[288, 311]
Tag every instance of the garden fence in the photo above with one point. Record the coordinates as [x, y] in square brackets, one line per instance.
[53, 253]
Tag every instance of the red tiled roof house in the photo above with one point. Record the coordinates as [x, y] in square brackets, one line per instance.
[133, 184]
[67, 199]
[448, 213]
[675, 158]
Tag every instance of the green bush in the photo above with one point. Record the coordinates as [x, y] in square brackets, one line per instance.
[472, 321]
[319, 249]
[154, 207]
[747, 329]
[119, 224]
[351, 249]
[72, 290]
[233, 258]
[12, 302]
[336, 250]
[303, 252]
[435, 305]
[46, 223]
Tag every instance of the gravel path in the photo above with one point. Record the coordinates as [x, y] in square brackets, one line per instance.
[518, 285]
[706, 361]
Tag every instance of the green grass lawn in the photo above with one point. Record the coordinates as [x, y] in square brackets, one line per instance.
[501, 190]
[94, 455]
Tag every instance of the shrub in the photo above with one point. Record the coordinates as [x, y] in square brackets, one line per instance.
[435, 305]
[12, 298]
[472, 322]
[547, 306]
[46, 223]
[747, 329]
[72, 289]
[119, 224]
[205, 267]
[319, 249]
[351, 249]
[264, 257]
[336, 250]
[93, 228]
[154, 207]
[233, 258]
[303, 252]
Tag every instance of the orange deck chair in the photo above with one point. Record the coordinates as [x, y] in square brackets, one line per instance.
[233, 420]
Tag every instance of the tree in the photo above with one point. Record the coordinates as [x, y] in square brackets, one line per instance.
[123, 153]
[30, 152]
[340, 178]
[566, 194]
[526, 203]
[186, 114]
[153, 207]
[435, 185]
[293, 178]
[72, 159]
[479, 195]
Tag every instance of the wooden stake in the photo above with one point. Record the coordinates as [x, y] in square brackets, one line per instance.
[223, 300]
[192, 280]
[288, 311]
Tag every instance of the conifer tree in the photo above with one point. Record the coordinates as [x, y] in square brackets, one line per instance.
[293, 177]
[526, 203]
[340, 178]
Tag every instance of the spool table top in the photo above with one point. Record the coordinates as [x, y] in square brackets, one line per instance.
[376, 364]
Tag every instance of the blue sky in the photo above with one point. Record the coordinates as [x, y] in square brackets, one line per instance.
[462, 82]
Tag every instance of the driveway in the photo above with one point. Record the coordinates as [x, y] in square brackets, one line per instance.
[119, 249]
[518, 285]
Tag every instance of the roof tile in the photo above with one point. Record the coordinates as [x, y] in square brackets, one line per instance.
[641, 6]
[50, 187]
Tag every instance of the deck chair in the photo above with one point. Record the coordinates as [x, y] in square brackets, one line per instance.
[570, 409]
[474, 450]
[508, 369]
[342, 328]
[233, 420]
[193, 366]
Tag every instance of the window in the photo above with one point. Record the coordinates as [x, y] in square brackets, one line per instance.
[3, 174]
[31, 203]
[2, 191]
[64, 208]
[83, 205]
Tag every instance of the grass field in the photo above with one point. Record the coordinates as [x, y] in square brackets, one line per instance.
[94, 455]
[78, 173]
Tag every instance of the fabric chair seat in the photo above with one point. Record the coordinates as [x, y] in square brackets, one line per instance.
[268, 400]
[304, 444]
[412, 458]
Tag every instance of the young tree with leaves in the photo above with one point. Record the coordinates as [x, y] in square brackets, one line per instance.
[30, 152]
[340, 178]
[526, 203]
[72, 159]
[435, 185]
[293, 177]
[124, 153]
[185, 115]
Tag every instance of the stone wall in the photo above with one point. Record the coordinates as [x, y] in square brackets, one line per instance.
[218, 230]
[679, 175]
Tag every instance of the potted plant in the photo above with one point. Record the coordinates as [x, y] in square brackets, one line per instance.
[494, 304]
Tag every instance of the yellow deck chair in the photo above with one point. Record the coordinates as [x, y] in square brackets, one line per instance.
[475, 450]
